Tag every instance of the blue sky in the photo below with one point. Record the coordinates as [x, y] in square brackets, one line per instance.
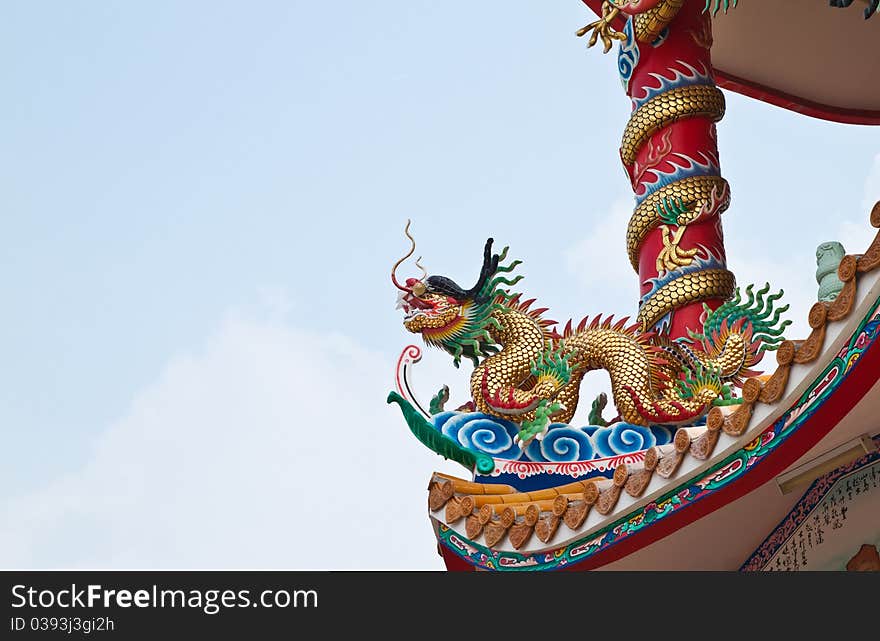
[202, 202]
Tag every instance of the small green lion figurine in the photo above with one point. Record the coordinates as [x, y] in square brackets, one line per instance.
[828, 257]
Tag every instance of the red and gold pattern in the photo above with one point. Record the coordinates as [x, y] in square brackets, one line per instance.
[670, 152]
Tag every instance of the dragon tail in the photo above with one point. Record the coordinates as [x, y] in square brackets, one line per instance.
[749, 327]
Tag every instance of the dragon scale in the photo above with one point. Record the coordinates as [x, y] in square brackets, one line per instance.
[642, 379]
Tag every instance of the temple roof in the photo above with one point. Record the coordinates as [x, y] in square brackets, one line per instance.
[528, 525]
[805, 56]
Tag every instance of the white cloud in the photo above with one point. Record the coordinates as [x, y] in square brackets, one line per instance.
[594, 258]
[794, 268]
[793, 273]
[272, 447]
[855, 232]
[872, 186]
[599, 264]
[855, 236]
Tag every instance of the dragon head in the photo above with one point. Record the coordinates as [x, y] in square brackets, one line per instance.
[450, 317]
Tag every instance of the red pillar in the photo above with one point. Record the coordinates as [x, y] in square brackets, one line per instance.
[670, 153]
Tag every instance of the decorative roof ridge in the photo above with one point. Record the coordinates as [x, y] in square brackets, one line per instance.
[540, 512]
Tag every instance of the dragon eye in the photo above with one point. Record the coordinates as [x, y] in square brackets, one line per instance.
[419, 289]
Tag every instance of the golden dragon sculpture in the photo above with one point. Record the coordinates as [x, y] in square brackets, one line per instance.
[528, 372]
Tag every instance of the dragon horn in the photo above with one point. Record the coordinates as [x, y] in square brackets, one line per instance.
[490, 265]
[397, 264]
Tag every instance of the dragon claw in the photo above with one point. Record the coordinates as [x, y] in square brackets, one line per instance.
[602, 28]
[538, 426]
[673, 257]
[527, 434]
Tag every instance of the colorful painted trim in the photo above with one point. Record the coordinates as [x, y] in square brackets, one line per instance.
[528, 476]
[811, 498]
[718, 476]
[574, 469]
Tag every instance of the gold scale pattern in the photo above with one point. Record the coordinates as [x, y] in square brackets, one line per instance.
[649, 24]
[689, 288]
[666, 109]
[640, 375]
